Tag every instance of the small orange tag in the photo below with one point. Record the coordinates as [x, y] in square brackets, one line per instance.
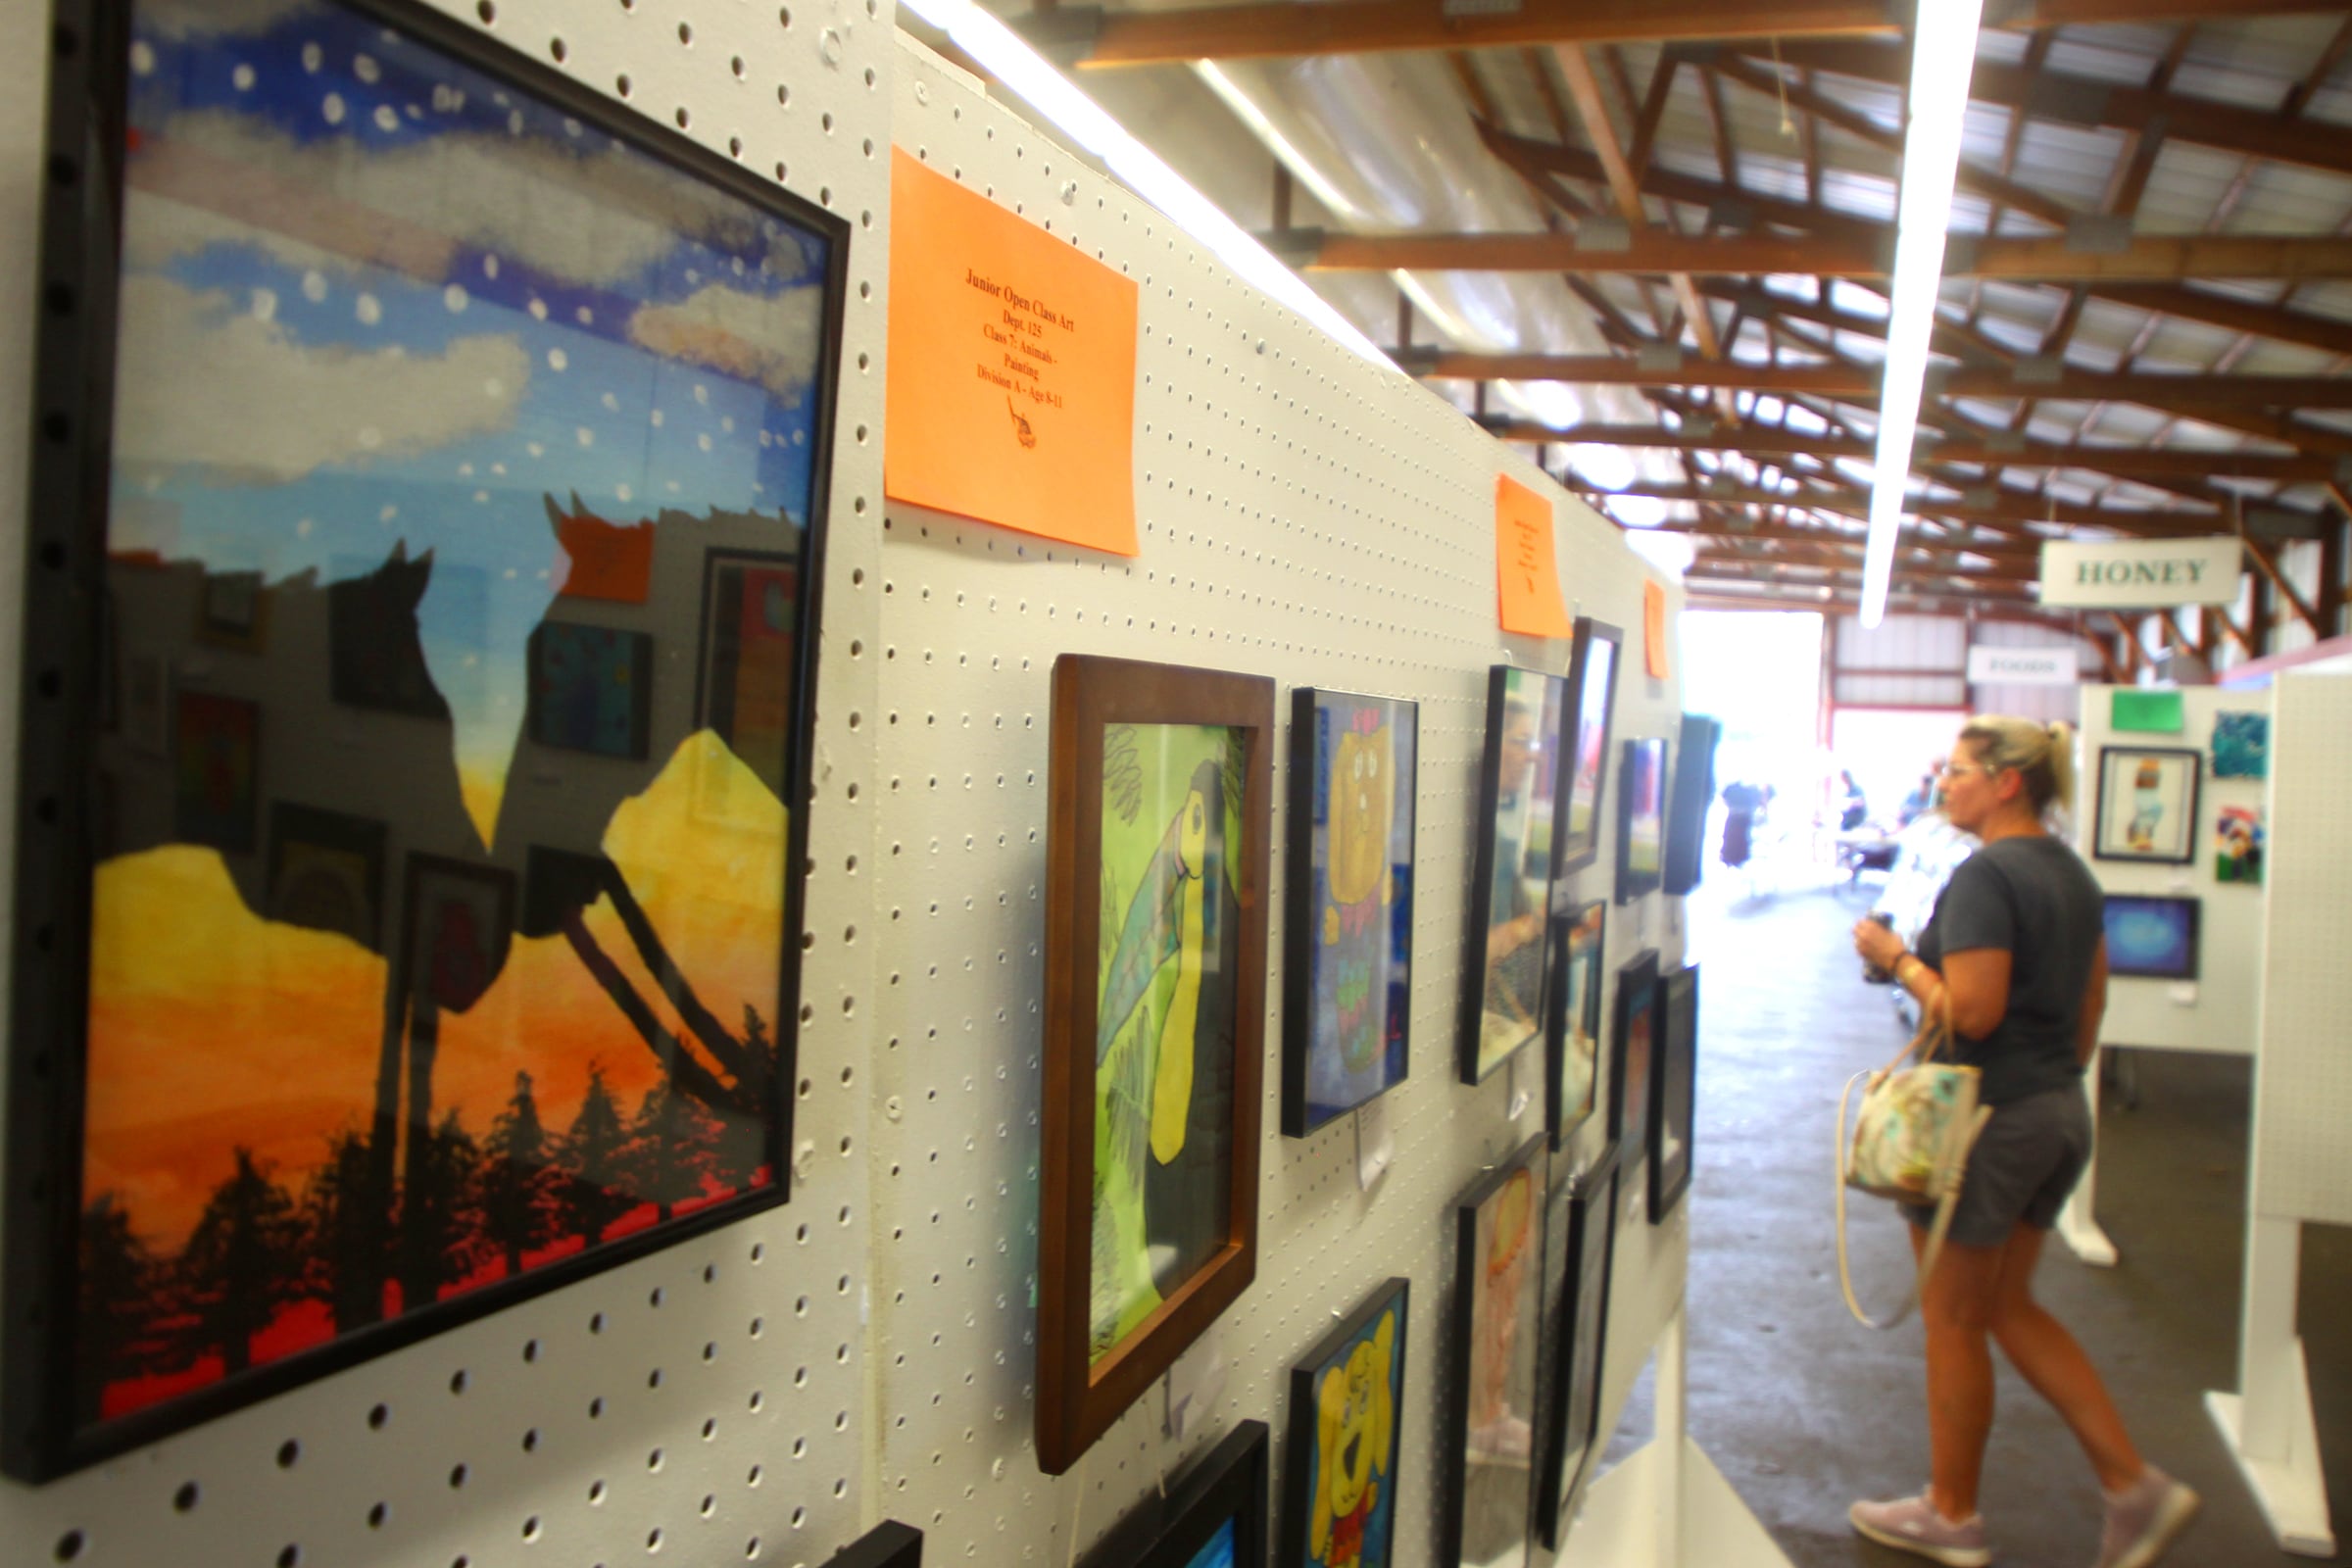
[1527, 571]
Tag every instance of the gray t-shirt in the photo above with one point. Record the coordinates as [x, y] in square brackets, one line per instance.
[2035, 898]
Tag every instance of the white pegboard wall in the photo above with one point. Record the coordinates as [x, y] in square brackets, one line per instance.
[709, 1403]
[2302, 1081]
[2224, 1016]
[1300, 514]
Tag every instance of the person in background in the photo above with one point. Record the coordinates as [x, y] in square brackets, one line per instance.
[2017, 953]
[1856, 809]
[1922, 799]
[1741, 801]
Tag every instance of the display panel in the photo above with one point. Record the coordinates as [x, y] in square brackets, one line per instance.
[1488, 1442]
[1592, 700]
[2151, 938]
[1503, 985]
[389, 330]
[2147, 806]
[1642, 819]
[1347, 949]
[1155, 964]
[1346, 1400]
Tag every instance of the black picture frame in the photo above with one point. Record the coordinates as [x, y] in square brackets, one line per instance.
[1674, 1096]
[2118, 833]
[1360, 1368]
[2152, 936]
[1507, 912]
[626, 660]
[1633, 1052]
[1640, 819]
[1226, 1487]
[326, 871]
[1491, 1399]
[55, 1425]
[889, 1545]
[1593, 661]
[1573, 1022]
[1322, 934]
[1580, 1234]
[1687, 807]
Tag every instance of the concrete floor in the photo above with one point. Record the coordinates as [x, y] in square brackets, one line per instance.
[1805, 1409]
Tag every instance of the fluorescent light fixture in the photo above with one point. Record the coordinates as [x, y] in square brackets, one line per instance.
[1006, 56]
[1247, 112]
[1944, 53]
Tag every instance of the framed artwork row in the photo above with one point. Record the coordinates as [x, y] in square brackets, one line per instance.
[1674, 1106]
[1504, 987]
[281, 498]
[1640, 819]
[1487, 1441]
[1155, 962]
[1593, 660]
[2147, 804]
[1579, 1233]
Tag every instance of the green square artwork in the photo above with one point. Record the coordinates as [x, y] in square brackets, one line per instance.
[2146, 712]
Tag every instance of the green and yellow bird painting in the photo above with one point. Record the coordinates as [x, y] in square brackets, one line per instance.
[1164, 1025]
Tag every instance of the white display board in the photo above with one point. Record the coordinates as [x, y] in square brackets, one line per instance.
[2218, 1011]
[768, 1391]
[2303, 1086]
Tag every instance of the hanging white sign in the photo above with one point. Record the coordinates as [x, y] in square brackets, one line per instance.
[2023, 666]
[2139, 573]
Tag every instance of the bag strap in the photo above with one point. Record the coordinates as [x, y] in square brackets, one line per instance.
[1936, 1230]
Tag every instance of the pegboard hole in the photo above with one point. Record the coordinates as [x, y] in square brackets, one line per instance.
[596, 1408]
[70, 1545]
[760, 1250]
[184, 1500]
[487, 12]
[557, 48]
[596, 1493]
[457, 1477]
[530, 1439]
[377, 1416]
[686, 34]
[653, 1379]
[754, 1479]
[736, 64]
[459, 1379]
[709, 1505]
[289, 1556]
[683, 118]
[621, 85]
[784, 15]
[653, 1462]
[596, 1323]
[657, 1298]
[377, 1514]
[751, 1549]
[709, 1426]
[734, 146]
[287, 1452]
[530, 1528]
[783, 100]
[759, 1397]
[652, 1541]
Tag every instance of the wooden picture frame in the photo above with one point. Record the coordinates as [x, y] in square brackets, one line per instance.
[1348, 1395]
[1673, 1099]
[1212, 1516]
[1353, 788]
[1640, 819]
[1633, 1054]
[889, 1545]
[1580, 1234]
[1135, 745]
[384, 649]
[1573, 1026]
[2147, 804]
[1489, 1435]
[1592, 663]
[1503, 985]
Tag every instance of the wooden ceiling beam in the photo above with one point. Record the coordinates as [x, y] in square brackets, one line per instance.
[2126, 461]
[2005, 510]
[2145, 258]
[2058, 98]
[1274, 28]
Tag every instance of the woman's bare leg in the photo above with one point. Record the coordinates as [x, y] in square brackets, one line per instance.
[1957, 1305]
[2048, 1358]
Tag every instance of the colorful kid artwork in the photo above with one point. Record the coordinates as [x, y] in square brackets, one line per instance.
[1499, 1298]
[1523, 751]
[1350, 1007]
[2241, 744]
[2237, 844]
[1576, 1059]
[378, 311]
[1350, 1442]
[1165, 1015]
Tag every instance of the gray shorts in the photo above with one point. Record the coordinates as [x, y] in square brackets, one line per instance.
[2029, 1156]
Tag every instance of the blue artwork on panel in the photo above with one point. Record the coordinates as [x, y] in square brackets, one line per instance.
[2241, 746]
[2151, 938]
[1218, 1551]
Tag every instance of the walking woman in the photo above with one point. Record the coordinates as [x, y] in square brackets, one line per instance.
[2017, 950]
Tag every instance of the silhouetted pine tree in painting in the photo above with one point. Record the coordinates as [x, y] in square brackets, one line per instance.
[593, 1192]
[346, 1223]
[118, 1297]
[520, 1179]
[441, 1215]
[243, 1261]
[670, 1149]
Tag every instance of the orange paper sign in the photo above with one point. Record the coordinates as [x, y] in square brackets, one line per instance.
[1011, 387]
[1654, 628]
[1526, 570]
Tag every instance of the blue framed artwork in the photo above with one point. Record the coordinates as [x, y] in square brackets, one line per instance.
[2151, 937]
[2241, 746]
[1347, 949]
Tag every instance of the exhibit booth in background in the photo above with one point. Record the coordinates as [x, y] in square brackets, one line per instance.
[769, 1381]
[2211, 816]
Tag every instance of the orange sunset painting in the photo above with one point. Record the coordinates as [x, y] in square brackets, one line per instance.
[458, 553]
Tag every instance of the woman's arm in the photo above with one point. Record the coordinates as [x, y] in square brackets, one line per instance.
[2094, 1006]
[1978, 981]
